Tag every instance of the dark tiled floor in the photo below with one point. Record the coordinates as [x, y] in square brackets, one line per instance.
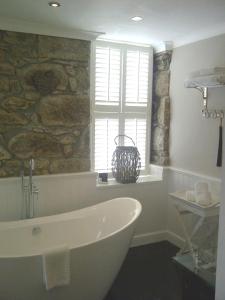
[148, 273]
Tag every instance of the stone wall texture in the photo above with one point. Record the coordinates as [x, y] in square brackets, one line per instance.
[44, 103]
[161, 109]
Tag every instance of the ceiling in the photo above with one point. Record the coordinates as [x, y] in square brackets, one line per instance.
[178, 21]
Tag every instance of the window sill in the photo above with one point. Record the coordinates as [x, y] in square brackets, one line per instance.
[144, 179]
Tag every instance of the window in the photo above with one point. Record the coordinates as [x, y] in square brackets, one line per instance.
[121, 89]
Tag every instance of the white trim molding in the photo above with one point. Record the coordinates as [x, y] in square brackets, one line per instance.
[174, 239]
[156, 237]
[17, 25]
[188, 172]
[148, 238]
[164, 46]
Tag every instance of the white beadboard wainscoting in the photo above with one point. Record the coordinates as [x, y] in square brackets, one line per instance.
[62, 193]
[66, 192]
[176, 180]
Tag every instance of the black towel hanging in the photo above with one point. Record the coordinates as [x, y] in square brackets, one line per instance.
[220, 145]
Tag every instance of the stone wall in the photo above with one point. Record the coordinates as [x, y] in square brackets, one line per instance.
[44, 103]
[160, 109]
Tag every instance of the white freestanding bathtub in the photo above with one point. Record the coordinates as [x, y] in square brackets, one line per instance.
[98, 238]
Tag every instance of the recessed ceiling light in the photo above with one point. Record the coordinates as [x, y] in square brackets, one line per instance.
[137, 18]
[54, 4]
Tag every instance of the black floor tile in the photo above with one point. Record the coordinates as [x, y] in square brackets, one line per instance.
[148, 273]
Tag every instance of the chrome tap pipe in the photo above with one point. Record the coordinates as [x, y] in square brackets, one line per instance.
[29, 192]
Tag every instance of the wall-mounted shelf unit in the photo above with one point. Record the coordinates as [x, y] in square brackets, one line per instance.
[204, 79]
[208, 78]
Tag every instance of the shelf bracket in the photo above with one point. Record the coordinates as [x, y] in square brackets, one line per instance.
[204, 92]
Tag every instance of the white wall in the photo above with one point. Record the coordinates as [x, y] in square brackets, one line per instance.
[66, 192]
[194, 140]
[220, 272]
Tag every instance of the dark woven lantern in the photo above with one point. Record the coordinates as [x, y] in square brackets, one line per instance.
[126, 162]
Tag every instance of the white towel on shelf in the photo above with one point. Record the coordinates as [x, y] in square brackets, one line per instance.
[207, 72]
[206, 78]
[56, 267]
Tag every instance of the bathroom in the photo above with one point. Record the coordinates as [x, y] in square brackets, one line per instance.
[47, 141]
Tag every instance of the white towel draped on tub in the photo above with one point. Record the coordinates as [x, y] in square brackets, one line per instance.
[56, 267]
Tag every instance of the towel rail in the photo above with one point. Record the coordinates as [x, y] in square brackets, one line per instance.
[204, 79]
[209, 113]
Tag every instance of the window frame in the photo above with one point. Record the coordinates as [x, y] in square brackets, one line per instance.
[121, 111]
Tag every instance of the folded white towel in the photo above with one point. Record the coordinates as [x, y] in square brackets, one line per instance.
[207, 72]
[56, 267]
[206, 78]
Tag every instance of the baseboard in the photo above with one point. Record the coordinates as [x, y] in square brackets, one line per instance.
[174, 239]
[149, 238]
[157, 236]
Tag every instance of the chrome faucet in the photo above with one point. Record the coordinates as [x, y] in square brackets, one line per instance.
[29, 192]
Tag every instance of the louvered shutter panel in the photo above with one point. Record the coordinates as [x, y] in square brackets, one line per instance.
[121, 90]
[105, 132]
[137, 70]
[107, 75]
[136, 129]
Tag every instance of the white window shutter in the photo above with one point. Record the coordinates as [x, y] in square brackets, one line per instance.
[105, 132]
[136, 129]
[137, 77]
[121, 98]
[107, 75]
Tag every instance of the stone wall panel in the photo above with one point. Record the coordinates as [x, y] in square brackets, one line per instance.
[12, 118]
[62, 110]
[162, 81]
[16, 103]
[72, 165]
[44, 103]
[28, 145]
[4, 85]
[4, 154]
[63, 48]
[43, 78]
[6, 69]
[161, 109]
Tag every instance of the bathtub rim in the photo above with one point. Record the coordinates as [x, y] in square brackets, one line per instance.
[5, 225]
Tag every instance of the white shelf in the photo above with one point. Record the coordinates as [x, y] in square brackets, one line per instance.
[210, 78]
[179, 199]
